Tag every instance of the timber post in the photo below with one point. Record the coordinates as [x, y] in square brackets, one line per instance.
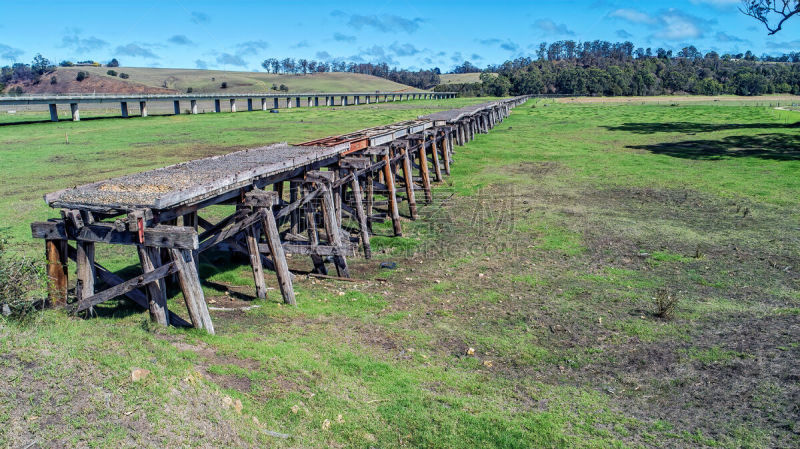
[150, 258]
[437, 170]
[446, 149]
[408, 176]
[324, 181]
[262, 203]
[57, 271]
[423, 170]
[352, 165]
[192, 289]
[388, 175]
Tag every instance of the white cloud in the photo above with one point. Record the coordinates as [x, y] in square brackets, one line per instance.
[549, 27]
[719, 4]
[136, 51]
[632, 15]
[672, 24]
[10, 53]
[677, 25]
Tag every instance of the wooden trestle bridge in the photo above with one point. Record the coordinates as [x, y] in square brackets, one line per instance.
[158, 211]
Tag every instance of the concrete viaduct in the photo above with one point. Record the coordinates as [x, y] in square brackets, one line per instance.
[268, 101]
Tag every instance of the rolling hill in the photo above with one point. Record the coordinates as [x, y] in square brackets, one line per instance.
[163, 80]
[459, 78]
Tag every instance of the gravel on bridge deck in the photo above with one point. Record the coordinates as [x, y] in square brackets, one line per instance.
[453, 115]
[192, 181]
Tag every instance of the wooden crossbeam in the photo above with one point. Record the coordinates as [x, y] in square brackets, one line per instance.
[121, 289]
[238, 227]
[161, 236]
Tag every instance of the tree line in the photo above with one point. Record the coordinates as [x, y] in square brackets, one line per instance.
[422, 79]
[612, 69]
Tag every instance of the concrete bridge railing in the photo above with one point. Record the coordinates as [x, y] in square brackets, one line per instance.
[267, 101]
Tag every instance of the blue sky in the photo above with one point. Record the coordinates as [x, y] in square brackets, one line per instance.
[235, 35]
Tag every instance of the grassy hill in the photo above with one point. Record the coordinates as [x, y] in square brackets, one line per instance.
[179, 80]
[459, 78]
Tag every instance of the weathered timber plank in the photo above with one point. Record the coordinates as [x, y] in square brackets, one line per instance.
[251, 237]
[160, 236]
[121, 289]
[192, 290]
[270, 228]
[150, 259]
[57, 273]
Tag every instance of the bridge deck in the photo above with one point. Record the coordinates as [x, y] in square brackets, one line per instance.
[192, 181]
[453, 115]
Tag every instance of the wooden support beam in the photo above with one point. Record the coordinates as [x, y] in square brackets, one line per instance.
[260, 198]
[362, 218]
[313, 235]
[203, 223]
[134, 295]
[213, 229]
[251, 236]
[423, 171]
[191, 288]
[278, 258]
[150, 259]
[338, 194]
[437, 170]
[278, 188]
[370, 198]
[319, 250]
[446, 151]
[238, 227]
[294, 193]
[124, 287]
[161, 236]
[85, 275]
[394, 211]
[190, 220]
[408, 180]
[332, 229]
[57, 271]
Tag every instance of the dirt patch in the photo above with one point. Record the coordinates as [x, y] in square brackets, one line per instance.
[534, 169]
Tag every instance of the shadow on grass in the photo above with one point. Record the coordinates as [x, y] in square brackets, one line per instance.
[780, 147]
[692, 127]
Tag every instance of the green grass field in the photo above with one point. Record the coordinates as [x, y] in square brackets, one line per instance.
[242, 82]
[543, 252]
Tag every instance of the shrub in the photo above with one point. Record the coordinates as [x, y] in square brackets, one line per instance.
[66, 63]
[81, 76]
[284, 88]
[112, 73]
[274, 86]
[113, 63]
[665, 304]
[224, 85]
[22, 285]
[53, 80]
[124, 75]
[189, 90]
